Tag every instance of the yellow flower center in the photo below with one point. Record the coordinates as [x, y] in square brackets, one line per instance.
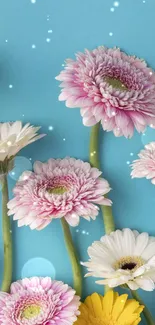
[115, 83]
[130, 263]
[31, 311]
[58, 190]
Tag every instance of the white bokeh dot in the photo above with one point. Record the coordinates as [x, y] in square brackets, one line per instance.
[128, 162]
[50, 128]
[112, 9]
[50, 31]
[48, 40]
[33, 46]
[116, 4]
[33, 1]
[110, 34]
[10, 86]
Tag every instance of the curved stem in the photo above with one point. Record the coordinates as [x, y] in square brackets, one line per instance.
[7, 238]
[76, 268]
[146, 311]
[108, 219]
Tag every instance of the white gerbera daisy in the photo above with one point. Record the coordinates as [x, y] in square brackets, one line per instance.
[14, 137]
[123, 257]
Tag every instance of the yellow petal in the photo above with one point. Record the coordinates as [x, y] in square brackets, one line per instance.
[97, 304]
[107, 302]
[136, 322]
[128, 312]
[119, 306]
[84, 311]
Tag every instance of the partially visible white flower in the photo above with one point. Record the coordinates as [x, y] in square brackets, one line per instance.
[14, 137]
[123, 257]
[145, 165]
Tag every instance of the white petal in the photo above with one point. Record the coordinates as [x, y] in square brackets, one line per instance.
[73, 219]
[132, 285]
[149, 251]
[141, 243]
[145, 283]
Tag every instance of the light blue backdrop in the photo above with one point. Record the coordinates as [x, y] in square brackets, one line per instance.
[35, 39]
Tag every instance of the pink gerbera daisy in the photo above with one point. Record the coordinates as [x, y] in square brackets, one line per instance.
[111, 87]
[37, 301]
[145, 165]
[66, 188]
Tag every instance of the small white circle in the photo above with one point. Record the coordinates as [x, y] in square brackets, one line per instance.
[64, 139]
[116, 4]
[50, 31]
[48, 40]
[131, 153]
[110, 34]
[50, 128]
[128, 162]
[33, 46]
[83, 232]
[33, 1]
[112, 9]
[10, 86]
[6, 41]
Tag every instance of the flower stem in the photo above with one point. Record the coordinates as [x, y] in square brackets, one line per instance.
[76, 268]
[146, 311]
[94, 161]
[7, 238]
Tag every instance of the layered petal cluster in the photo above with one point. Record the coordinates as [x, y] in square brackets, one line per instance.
[66, 188]
[123, 257]
[37, 301]
[14, 137]
[111, 87]
[110, 309]
[145, 165]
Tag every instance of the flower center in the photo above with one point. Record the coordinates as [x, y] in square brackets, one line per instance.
[130, 263]
[31, 311]
[115, 83]
[58, 190]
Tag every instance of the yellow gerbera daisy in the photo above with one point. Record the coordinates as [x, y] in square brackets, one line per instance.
[111, 309]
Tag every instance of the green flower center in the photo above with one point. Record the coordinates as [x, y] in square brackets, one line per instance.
[115, 83]
[31, 311]
[58, 190]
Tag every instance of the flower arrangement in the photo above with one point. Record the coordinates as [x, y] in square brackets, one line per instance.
[116, 91]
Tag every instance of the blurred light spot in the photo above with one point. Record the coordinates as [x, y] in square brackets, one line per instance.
[48, 40]
[131, 153]
[112, 9]
[6, 41]
[110, 34]
[10, 86]
[128, 162]
[33, 46]
[50, 31]
[33, 1]
[51, 128]
[64, 139]
[38, 266]
[116, 4]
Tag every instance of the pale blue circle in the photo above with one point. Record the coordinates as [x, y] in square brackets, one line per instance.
[20, 165]
[38, 266]
[148, 136]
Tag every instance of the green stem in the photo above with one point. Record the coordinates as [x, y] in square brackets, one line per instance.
[7, 238]
[108, 219]
[146, 311]
[76, 268]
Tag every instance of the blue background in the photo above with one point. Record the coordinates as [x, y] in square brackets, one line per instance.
[30, 58]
